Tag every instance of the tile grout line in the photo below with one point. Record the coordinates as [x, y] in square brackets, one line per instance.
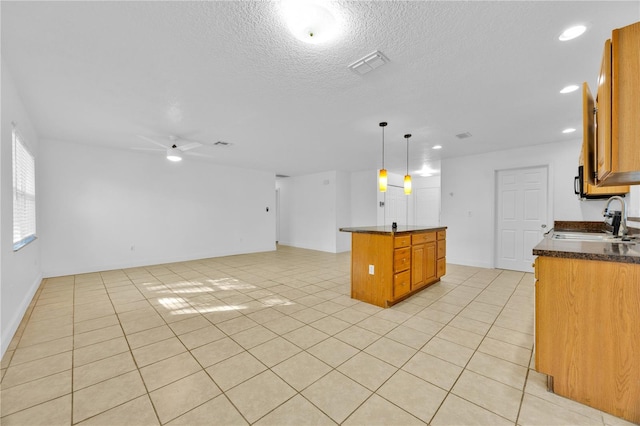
[476, 349]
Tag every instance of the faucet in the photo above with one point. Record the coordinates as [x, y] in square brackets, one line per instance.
[618, 218]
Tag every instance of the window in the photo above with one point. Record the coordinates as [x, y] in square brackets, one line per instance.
[24, 194]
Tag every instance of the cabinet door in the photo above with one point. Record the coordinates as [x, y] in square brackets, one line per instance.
[430, 257]
[401, 284]
[588, 156]
[418, 265]
[441, 267]
[603, 116]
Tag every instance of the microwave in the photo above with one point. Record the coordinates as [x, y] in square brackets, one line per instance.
[580, 190]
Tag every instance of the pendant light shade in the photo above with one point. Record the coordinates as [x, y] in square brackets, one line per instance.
[407, 177]
[382, 180]
[407, 184]
[382, 175]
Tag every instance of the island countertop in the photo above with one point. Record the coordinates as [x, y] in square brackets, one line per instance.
[388, 230]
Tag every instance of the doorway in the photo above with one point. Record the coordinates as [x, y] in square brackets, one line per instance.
[521, 215]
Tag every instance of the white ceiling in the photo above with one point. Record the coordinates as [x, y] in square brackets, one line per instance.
[103, 72]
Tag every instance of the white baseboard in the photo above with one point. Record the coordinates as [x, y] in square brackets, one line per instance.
[8, 330]
[85, 269]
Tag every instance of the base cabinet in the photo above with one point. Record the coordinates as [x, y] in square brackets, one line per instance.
[401, 263]
[588, 332]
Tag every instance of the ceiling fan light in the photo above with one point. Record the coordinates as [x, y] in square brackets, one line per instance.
[174, 154]
[382, 180]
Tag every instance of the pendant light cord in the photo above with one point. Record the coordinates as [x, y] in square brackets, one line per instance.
[407, 136]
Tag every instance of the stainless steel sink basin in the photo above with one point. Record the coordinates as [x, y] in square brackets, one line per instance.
[591, 236]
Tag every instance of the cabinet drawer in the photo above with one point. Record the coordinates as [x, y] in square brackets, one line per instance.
[442, 235]
[423, 238]
[401, 284]
[441, 267]
[442, 249]
[402, 241]
[401, 259]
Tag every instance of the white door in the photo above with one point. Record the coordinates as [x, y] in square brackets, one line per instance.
[427, 206]
[521, 211]
[395, 205]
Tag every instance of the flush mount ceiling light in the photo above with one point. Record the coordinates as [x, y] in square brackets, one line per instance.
[311, 21]
[569, 89]
[174, 154]
[382, 176]
[573, 32]
[426, 171]
[437, 147]
[407, 177]
[569, 130]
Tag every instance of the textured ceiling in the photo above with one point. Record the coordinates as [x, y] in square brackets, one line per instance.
[103, 72]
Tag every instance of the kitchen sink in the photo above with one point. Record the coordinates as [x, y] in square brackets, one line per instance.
[591, 236]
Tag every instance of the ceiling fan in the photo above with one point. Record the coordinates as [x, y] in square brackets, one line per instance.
[175, 147]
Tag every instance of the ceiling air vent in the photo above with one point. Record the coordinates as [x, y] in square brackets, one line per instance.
[463, 135]
[369, 63]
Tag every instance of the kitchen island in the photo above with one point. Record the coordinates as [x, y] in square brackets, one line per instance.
[587, 338]
[390, 264]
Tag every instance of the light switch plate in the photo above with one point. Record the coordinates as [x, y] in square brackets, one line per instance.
[371, 269]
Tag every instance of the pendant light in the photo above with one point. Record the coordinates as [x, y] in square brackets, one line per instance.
[407, 177]
[382, 176]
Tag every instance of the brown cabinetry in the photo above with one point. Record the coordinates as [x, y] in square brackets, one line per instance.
[587, 334]
[387, 267]
[423, 259]
[441, 263]
[588, 152]
[616, 157]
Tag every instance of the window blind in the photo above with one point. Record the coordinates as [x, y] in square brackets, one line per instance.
[24, 193]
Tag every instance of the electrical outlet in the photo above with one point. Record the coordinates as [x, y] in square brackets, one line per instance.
[371, 269]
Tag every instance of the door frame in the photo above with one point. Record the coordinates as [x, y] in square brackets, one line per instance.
[550, 197]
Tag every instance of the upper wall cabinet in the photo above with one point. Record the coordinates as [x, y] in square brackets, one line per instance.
[586, 174]
[617, 118]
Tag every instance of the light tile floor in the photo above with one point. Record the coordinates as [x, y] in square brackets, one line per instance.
[274, 339]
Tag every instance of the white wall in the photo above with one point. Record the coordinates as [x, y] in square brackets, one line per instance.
[309, 210]
[468, 202]
[364, 198]
[97, 204]
[344, 192]
[20, 273]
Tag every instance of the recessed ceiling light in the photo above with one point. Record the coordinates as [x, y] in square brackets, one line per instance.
[437, 147]
[569, 89]
[569, 130]
[573, 32]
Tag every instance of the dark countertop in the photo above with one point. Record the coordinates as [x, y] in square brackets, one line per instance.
[390, 231]
[589, 250]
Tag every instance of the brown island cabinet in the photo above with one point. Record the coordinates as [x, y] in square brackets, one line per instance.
[388, 265]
